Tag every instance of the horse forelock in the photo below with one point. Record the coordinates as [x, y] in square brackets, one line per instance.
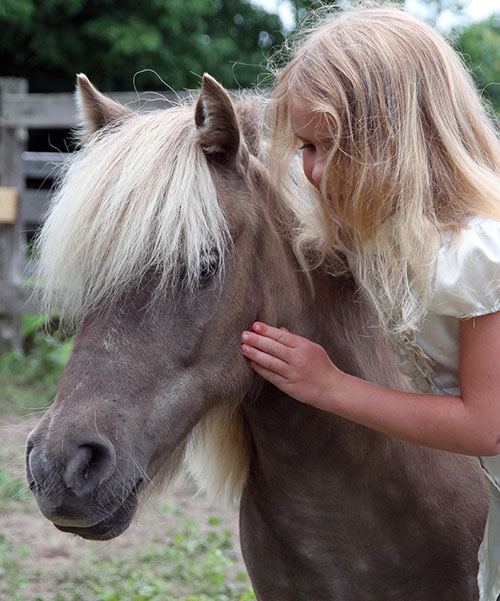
[137, 197]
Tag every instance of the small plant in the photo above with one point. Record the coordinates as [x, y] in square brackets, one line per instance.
[28, 378]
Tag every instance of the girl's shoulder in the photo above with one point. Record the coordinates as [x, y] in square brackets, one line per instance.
[467, 280]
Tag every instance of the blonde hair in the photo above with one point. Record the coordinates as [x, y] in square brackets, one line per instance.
[136, 199]
[414, 152]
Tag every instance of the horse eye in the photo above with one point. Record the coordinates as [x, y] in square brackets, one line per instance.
[209, 265]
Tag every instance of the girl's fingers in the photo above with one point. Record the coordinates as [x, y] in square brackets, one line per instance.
[268, 375]
[266, 345]
[264, 359]
[281, 335]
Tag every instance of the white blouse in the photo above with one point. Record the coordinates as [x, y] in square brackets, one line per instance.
[467, 285]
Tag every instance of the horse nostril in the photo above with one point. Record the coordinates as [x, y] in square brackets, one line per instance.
[88, 466]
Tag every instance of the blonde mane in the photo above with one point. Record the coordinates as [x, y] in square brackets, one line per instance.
[139, 196]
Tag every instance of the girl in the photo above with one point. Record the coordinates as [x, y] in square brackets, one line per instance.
[406, 165]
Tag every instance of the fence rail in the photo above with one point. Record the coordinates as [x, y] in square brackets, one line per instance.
[22, 208]
[54, 111]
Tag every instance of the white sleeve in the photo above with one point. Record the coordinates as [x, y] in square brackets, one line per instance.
[468, 272]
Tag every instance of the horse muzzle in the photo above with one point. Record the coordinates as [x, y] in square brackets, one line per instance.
[78, 484]
[113, 525]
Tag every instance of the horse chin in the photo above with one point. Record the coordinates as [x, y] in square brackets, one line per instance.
[113, 525]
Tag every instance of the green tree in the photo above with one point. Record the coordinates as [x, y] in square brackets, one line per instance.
[301, 8]
[48, 41]
[479, 43]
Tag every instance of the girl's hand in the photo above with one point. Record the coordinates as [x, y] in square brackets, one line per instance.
[297, 366]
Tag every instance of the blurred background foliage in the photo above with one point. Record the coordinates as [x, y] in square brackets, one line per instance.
[479, 43]
[48, 41]
[29, 376]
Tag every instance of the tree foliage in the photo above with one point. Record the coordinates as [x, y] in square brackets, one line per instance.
[48, 41]
[479, 44]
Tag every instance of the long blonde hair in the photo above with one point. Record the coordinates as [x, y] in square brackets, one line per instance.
[414, 152]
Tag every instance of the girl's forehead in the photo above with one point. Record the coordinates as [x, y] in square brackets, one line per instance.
[308, 123]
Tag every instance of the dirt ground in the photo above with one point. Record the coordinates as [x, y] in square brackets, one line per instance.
[53, 551]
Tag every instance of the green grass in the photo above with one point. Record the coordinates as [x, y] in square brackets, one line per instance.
[14, 492]
[193, 567]
[12, 574]
[197, 564]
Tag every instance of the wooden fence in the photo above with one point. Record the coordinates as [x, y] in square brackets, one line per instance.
[22, 207]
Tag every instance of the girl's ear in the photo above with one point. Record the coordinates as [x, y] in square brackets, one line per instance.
[215, 118]
[95, 109]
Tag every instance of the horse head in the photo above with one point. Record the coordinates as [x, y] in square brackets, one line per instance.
[159, 248]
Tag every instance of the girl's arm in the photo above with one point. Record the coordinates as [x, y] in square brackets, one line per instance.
[469, 424]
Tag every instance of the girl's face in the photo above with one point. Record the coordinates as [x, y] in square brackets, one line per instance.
[310, 129]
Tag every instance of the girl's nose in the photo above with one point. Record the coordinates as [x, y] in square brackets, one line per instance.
[317, 171]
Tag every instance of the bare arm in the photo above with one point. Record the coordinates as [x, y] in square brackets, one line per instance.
[469, 424]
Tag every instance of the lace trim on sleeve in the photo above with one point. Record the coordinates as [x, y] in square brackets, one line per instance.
[414, 362]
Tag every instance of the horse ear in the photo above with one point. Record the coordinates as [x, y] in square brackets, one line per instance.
[96, 110]
[218, 129]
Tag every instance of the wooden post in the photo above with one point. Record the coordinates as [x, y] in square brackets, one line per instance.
[12, 241]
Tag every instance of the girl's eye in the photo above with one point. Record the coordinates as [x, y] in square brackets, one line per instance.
[307, 146]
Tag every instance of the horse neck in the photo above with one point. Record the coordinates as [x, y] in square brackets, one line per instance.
[331, 314]
[325, 308]
[316, 304]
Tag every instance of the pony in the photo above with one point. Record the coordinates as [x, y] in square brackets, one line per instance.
[165, 240]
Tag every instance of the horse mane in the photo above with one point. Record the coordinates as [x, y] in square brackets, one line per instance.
[148, 202]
